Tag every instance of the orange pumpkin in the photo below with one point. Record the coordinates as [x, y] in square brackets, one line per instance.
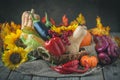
[86, 40]
[91, 60]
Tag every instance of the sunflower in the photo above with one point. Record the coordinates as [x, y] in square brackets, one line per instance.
[14, 26]
[60, 29]
[7, 28]
[13, 39]
[13, 58]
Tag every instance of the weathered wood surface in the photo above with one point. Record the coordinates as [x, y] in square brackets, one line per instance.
[4, 72]
[42, 78]
[95, 76]
[18, 76]
[111, 72]
[69, 78]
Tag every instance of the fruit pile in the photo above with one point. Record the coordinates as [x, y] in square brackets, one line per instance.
[61, 45]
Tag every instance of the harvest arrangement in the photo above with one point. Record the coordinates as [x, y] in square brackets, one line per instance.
[62, 45]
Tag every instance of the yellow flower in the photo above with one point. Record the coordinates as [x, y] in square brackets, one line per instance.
[100, 29]
[14, 26]
[4, 31]
[73, 25]
[56, 29]
[74, 22]
[80, 19]
[7, 28]
[60, 29]
[12, 39]
[14, 57]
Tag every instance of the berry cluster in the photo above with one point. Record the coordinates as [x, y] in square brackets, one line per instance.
[64, 36]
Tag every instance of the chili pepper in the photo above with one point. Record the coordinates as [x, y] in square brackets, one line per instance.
[68, 69]
[59, 70]
[55, 46]
[73, 70]
[52, 21]
[43, 20]
[64, 20]
[71, 63]
[40, 28]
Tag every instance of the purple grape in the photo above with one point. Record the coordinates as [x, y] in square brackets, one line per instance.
[65, 36]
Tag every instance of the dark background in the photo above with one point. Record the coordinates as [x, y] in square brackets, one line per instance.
[108, 10]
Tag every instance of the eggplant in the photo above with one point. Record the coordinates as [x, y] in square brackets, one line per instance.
[41, 29]
[104, 58]
[111, 51]
[117, 50]
[112, 48]
[110, 40]
[101, 44]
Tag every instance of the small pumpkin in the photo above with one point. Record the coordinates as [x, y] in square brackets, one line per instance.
[91, 60]
[86, 40]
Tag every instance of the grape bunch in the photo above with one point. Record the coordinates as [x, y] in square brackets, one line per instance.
[64, 36]
[53, 34]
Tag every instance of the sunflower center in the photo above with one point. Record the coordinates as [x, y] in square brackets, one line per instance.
[19, 43]
[15, 58]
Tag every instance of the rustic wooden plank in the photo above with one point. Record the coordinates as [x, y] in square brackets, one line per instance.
[26, 77]
[42, 78]
[112, 72]
[15, 76]
[18, 76]
[69, 78]
[1, 64]
[4, 73]
[95, 76]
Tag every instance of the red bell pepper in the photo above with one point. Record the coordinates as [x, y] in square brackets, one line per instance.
[55, 46]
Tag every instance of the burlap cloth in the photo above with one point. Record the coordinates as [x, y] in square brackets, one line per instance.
[41, 67]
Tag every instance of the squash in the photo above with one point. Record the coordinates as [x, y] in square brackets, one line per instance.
[92, 61]
[27, 18]
[86, 40]
[75, 40]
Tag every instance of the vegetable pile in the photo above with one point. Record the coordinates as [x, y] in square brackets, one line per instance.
[62, 45]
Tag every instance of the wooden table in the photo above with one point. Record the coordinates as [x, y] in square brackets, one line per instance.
[110, 72]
